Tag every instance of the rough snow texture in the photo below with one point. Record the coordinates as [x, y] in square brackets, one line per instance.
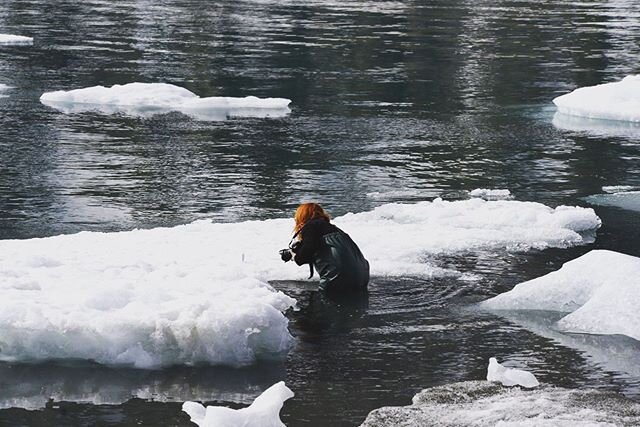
[599, 290]
[146, 99]
[199, 292]
[489, 194]
[610, 101]
[263, 412]
[10, 39]
[510, 376]
[485, 404]
[629, 200]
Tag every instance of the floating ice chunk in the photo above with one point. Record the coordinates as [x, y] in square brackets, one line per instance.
[146, 99]
[617, 188]
[263, 412]
[486, 404]
[509, 376]
[10, 39]
[600, 290]
[629, 200]
[488, 194]
[198, 293]
[610, 101]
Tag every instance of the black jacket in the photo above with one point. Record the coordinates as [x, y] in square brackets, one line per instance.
[336, 257]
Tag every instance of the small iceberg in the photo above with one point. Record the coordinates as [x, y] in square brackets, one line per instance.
[600, 291]
[147, 99]
[510, 377]
[609, 101]
[489, 194]
[486, 404]
[263, 412]
[10, 39]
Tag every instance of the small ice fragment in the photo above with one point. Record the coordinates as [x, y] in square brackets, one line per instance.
[509, 376]
[263, 412]
[489, 194]
[10, 39]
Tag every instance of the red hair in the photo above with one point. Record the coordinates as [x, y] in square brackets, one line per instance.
[306, 212]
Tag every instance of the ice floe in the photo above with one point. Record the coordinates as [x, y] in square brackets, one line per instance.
[610, 101]
[147, 99]
[510, 376]
[629, 200]
[263, 412]
[199, 293]
[489, 194]
[486, 404]
[600, 290]
[10, 39]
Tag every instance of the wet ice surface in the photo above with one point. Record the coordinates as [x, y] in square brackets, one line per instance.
[621, 199]
[480, 403]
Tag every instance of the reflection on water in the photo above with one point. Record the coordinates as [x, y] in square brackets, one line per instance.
[597, 126]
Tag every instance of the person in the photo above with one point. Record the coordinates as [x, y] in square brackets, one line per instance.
[334, 255]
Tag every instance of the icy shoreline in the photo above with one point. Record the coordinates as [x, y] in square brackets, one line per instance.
[485, 404]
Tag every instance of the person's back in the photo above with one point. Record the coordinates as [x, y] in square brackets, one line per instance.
[339, 262]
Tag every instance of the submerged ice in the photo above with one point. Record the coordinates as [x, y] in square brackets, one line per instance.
[600, 291]
[200, 293]
[263, 412]
[10, 39]
[486, 404]
[609, 101]
[620, 197]
[146, 99]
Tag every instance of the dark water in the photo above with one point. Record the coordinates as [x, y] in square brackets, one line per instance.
[391, 101]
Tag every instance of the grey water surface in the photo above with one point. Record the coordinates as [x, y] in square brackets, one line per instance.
[392, 101]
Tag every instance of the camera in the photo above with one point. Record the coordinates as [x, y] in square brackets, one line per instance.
[285, 255]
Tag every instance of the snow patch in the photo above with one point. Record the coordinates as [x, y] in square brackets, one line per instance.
[509, 376]
[610, 101]
[147, 99]
[600, 290]
[263, 412]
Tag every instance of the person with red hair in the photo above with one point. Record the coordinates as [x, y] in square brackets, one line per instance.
[335, 256]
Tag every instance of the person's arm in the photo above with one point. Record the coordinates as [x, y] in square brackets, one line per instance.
[310, 243]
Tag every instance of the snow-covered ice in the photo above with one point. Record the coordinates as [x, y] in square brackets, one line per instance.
[486, 404]
[490, 194]
[629, 200]
[199, 292]
[10, 39]
[146, 99]
[263, 412]
[600, 290]
[510, 376]
[610, 101]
